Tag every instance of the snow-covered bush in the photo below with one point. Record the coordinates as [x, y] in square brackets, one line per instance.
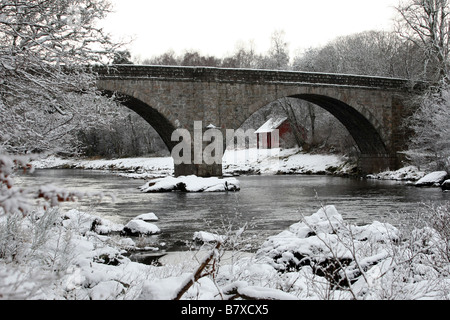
[28, 236]
[431, 232]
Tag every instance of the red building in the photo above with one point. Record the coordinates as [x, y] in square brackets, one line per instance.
[272, 132]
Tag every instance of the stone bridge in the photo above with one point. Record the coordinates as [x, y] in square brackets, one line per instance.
[169, 98]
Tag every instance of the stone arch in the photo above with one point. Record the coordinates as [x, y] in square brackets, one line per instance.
[362, 125]
[363, 131]
[158, 121]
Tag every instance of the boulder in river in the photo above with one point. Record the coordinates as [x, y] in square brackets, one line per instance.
[140, 227]
[446, 185]
[147, 217]
[191, 184]
[433, 179]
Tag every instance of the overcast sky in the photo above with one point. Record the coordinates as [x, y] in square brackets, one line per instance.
[215, 27]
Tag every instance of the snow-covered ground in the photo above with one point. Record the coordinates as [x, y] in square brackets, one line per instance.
[249, 161]
[132, 167]
[79, 256]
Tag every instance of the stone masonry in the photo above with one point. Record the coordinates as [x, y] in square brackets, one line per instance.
[371, 108]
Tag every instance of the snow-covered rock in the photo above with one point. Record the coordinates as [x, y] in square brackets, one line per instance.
[140, 227]
[84, 222]
[147, 217]
[204, 237]
[409, 173]
[432, 179]
[446, 185]
[191, 184]
[324, 242]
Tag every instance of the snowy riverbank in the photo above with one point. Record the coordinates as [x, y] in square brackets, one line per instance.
[250, 161]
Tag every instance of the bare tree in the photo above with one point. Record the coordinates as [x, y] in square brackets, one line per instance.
[166, 59]
[243, 57]
[374, 53]
[278, 55]
[426, 24]
[297, 119]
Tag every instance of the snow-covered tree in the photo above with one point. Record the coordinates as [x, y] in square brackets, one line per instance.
[45, 46]
[44, 49]
[244, 56]
[430, 144]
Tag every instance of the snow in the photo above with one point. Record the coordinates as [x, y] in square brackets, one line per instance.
[191, 184]
[203, 236]
[152, 289]
[77, 262]
[271, 125]
[413, 176]
[234, 162]
[86, 222]
[283, 161]
[433, 178]
[107, 290]
[132, 167]
[151, 216]
[408, 173]
[319, 238]
[258, 293]
[141, 227]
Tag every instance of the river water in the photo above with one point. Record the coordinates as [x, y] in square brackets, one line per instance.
[267, 205]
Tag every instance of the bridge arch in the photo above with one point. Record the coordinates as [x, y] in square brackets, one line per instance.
[157, 120]
[363, 131]
[363, 126]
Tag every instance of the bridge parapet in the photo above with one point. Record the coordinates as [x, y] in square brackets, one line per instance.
[252, 76]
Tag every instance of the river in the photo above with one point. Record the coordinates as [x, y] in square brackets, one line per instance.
[266, 204]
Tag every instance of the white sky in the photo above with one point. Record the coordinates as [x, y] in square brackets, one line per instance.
[215, 27]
